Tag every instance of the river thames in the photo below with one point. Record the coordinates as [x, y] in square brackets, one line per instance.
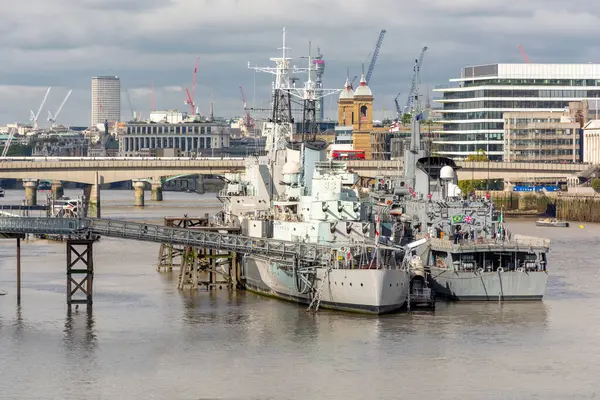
[146, 339]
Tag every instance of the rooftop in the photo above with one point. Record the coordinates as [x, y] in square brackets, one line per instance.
[530, 71]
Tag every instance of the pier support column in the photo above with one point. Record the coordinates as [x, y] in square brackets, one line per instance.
[80, 272]
[57, 190]
[139, 187]
[200, 184]
[92, 197]
[18, 270]
[30, 191]
[157, 190]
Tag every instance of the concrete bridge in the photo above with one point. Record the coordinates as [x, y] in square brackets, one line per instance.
[508, 171]
[97, 171]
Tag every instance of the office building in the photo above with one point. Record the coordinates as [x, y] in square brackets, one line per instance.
[474, 106]
[106, 100]
[195, 138]
[591, 142]
[544, 136]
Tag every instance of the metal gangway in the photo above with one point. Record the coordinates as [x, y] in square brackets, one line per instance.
[91, 227]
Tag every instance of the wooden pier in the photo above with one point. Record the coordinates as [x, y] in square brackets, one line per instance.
[199, 267]
[170, 255]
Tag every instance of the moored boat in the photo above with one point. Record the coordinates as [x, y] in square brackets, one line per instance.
[294, 194]
[552, 222]
[462, 241]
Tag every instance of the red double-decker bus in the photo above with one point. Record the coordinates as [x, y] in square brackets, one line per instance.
[348, 154]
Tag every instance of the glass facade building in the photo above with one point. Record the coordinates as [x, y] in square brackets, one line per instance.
[473, 106]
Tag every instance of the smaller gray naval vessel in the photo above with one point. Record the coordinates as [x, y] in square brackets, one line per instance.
[459, 245]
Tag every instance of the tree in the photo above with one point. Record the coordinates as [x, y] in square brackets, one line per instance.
[406, 119]
[480, 156]
[596, 183]
[466, 186]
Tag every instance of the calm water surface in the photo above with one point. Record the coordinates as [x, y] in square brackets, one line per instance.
[145, 339]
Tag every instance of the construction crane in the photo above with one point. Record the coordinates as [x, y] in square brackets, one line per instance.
[133, 116]
[11, 134]
[247, 118]
[523, 54]
[413, 93]
[375, 55]
[34, 116]
[52, 118]
[398, 109]
[190, 96]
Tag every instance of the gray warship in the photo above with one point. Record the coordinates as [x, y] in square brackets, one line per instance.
[459, 245]
[294, 193]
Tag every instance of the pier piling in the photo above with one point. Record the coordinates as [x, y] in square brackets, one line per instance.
[200, 184]
[84, 258]
[57, 190]
[18, 270]
[139, 187]
[157, 191]
[30, 191]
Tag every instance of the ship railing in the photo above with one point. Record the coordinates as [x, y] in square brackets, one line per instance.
[531, 241]
[515, 241]
[93, 227]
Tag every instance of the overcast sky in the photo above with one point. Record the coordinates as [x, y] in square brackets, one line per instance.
[63, 43]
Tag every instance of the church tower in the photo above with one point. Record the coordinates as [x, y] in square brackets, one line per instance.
[362, 124]
[346, 106]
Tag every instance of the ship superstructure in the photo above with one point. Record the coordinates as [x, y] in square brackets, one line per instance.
[293, 193]
[461, 243]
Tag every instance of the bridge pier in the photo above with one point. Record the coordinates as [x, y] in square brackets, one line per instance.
[92, 196]
[200, 184]
[157, 190]
[81, 265]
[139, 187]
[57, 190]
[30, 191]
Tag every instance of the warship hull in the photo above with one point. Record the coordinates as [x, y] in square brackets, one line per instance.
[489, 286]
[371, 291]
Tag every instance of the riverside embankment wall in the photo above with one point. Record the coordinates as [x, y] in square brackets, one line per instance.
[583, 207]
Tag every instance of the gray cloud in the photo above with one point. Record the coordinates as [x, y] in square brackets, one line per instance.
[63, 43]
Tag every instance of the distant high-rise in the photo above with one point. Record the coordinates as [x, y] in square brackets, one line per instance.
[106, 99]
[319, 65]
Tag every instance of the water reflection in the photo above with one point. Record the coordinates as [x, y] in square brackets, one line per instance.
[79, 332]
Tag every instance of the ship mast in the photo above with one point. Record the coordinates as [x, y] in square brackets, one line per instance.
[281, 110]
[310, 93]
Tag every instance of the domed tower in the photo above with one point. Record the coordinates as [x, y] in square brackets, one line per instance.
[346, 105]
[362, 126]
[363, 107]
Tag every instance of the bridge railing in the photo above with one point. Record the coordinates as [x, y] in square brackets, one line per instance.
[43, 226]
[216, 240]
[164, 234]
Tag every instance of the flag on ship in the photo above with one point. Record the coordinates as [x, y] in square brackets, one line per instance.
[377, 235]
[378, 228]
